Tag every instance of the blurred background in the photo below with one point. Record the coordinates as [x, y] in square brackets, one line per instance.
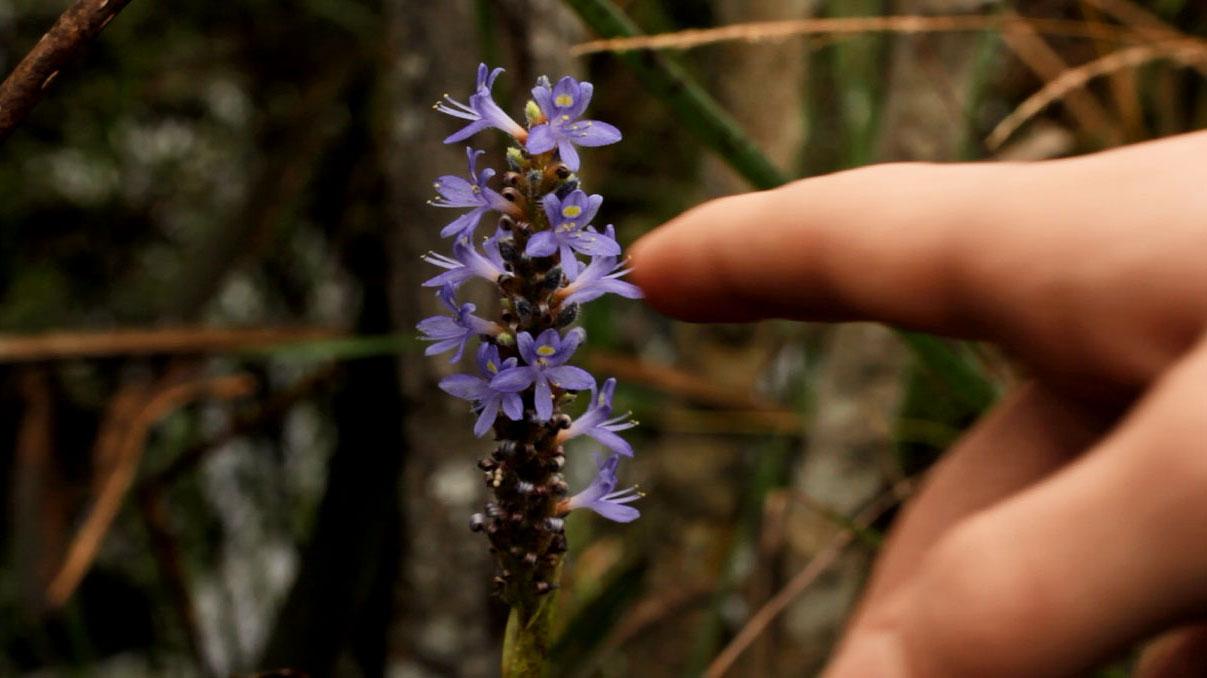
[221, 449]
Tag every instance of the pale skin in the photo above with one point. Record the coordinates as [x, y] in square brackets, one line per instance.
[1071, 522]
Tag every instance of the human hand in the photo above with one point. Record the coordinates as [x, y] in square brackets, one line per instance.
[1071, 521]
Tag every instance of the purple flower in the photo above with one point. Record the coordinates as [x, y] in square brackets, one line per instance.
[595, 422]
[458, 193]
[600, 277]
[466, 263]
[601, 497]
[478, 390]
[569, 231]
[546, 358]
[482, 111]
[456, 331]
[563, 105]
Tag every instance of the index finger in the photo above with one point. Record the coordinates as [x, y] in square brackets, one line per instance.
[877, 243]
[1082, 266]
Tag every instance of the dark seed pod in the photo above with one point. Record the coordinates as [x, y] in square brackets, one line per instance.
[524, 487]
[558, 487]
[511, 179]
[553, 279]
[508, 251]
[506, 223]
[566, 189]
[543, 587]
[563, 172]
[487, 464]
[558, 544]
[561, 421]
[567, 315]
[530, 558]
[505, 450]
[477, 522]
[524, 309]
[557, 462]
[552, 524]
[510, 194]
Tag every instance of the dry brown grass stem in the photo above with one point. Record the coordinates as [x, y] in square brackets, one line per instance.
[1184, 52]
[164, 341]
[801, 581]
[1033, 50]
[676, 382]
[779, 30]
[157, 403]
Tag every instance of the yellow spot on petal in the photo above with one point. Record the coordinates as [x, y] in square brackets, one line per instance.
[571, 211]
[564, 100]
[545, 351]
[491, 366]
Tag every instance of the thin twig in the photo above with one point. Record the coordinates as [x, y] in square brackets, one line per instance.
[276, 407]
[1185, 52]
[678, 382]
[166, 550]
[797, 585]
[30, 80]
[159, 403]
[164, 341]
[778, 30]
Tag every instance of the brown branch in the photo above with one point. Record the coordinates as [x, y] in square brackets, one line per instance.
[30, 80]
[165, 341]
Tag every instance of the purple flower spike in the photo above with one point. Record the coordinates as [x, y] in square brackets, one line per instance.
[458, 193]
[563, 105]
[466, 263]
[482, 111]
[595, 422]
[546, 366]
[601, 497]
[570, 231]
[454, 332]
[477, 389]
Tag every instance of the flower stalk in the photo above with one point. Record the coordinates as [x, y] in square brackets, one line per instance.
[523, 386]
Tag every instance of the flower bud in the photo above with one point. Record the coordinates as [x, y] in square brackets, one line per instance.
[515, 158]
[533, 114]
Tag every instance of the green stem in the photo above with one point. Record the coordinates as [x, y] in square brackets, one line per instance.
[526, 641]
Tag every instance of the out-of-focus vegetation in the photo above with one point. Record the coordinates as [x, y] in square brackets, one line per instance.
[223, 452]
